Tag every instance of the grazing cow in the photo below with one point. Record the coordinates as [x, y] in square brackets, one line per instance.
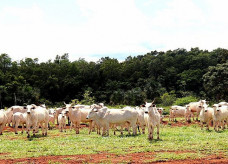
[152, 119]
[62, 121]
[194, 107]
[19, 118]
[36, 116]
[220, 116]
[104, 117]
[205, 116]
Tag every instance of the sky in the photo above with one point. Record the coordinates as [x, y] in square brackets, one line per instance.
[92, 29]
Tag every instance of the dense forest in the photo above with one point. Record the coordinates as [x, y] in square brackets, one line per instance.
[198, 73]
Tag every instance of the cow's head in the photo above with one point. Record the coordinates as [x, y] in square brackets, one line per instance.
[216, 108]
[30, 108]
[92, 113]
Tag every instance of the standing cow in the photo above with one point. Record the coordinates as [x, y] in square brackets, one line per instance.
[36, 116]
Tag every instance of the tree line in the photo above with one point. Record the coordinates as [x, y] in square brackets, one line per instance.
[198, 73]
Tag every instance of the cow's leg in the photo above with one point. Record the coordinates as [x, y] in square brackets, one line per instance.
[22, 131]
[16, 127]
[60, 127]
[149, 131]
[1, 129]
[134, 127]
[64, 127]
[28, 129]
[201, 124]
[152, 132]
[139, 128]
[77, 127]
[143, 129]
[90, 127]
[158, 127]
[46, 127]
[208, 124]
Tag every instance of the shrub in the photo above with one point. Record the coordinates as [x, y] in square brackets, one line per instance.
[185, 100]
[168, 98]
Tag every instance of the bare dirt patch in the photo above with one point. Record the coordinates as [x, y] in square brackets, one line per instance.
[112, 158]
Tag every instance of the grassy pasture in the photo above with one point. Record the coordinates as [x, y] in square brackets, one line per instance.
[186, 142]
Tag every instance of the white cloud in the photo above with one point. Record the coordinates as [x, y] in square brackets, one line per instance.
[114, 27]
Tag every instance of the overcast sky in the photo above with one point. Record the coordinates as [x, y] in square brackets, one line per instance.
[92, 29]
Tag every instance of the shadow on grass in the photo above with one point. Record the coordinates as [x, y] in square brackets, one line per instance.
[154, 140]
[127, 135]
[220, 131]
[36, 136]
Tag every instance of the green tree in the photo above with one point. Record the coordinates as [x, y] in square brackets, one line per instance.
[215, 82]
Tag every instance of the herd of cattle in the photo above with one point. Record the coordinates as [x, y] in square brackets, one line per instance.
[100, 117]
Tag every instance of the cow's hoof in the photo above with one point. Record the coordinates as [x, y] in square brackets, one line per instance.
[16, 133]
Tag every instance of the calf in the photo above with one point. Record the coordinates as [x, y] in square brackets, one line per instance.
[62, 121]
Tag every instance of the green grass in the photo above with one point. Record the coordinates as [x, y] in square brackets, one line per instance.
[194, 143]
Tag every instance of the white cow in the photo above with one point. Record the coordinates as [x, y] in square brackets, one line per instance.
[104, 117]
[74, 114]
[57, 112]
[36, 116]
[160, 110]
[205, 116]
[4, 118]
[223, 103]
[178, 111]
[194, 107]
[62, 121]
[140, 120]
[19, 119]
[152, 119]
[220, 116]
